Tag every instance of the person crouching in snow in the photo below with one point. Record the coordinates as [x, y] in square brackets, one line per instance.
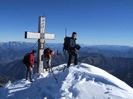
[48, 55]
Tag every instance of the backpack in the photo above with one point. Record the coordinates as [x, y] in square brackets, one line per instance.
[26, 59]
[65, 45]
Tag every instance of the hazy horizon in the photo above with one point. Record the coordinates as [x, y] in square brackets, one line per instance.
[62, 43]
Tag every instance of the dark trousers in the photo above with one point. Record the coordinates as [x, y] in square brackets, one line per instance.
[75, 54]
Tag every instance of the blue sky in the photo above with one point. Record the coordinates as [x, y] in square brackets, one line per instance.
[97, 22]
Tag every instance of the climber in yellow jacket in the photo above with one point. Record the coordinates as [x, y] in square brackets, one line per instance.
[48, 55]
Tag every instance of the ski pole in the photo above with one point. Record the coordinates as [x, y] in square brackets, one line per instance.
[54, 75]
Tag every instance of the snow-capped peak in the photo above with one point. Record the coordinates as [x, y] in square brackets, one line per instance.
[77, 82]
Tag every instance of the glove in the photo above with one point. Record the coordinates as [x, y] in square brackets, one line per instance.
[78, 47]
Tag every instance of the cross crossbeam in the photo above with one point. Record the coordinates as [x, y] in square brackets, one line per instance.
[35, 35]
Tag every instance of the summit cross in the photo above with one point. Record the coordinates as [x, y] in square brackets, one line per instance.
[41, 36]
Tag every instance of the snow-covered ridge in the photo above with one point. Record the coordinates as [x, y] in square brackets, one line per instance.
[77, 82]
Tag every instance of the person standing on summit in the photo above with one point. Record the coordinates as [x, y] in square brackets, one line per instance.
[72, 47]
[28, 60]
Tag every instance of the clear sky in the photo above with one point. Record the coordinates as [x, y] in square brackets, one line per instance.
[97, 22]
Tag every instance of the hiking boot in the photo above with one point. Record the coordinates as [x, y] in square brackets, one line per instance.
[75, 65]
[57, 69]
[27, 78]
[1, 85]
[49, 71]
[68, 66]
[31, 81]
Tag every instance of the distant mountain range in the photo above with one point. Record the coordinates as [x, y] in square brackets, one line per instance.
[29, 45]
[126, 75]
[59, 46]
[110, 50]
[10, 51]
[17, 69]
[112, 58]
[3, 79]
[15, 44]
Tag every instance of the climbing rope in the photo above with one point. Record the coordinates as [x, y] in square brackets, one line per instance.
[33, 46]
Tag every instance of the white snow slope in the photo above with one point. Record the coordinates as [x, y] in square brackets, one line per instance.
[78, 82]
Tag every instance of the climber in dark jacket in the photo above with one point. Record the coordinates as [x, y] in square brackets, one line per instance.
[72, 50]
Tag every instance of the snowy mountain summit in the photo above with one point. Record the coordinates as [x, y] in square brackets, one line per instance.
[77, 82]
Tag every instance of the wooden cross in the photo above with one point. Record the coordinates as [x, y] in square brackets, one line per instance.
[41, 36]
